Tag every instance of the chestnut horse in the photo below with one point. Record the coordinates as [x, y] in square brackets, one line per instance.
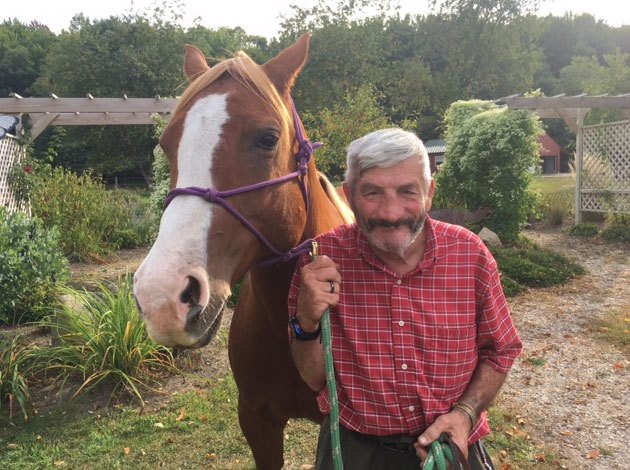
[245, 190]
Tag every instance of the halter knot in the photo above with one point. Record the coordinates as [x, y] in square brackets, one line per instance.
[211, 195]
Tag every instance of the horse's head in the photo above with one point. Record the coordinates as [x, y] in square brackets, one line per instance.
[232, 128]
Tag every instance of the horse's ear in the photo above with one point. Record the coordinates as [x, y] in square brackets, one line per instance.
[194, 63]
[283, 69]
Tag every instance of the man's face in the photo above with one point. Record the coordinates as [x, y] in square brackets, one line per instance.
[390, 205]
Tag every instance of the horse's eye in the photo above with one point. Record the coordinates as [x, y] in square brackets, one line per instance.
[267, 142]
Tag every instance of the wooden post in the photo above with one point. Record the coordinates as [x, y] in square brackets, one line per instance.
[579, 149]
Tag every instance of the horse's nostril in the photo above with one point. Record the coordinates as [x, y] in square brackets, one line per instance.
[192, 293]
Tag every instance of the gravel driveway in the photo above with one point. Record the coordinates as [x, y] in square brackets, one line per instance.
[570, 387]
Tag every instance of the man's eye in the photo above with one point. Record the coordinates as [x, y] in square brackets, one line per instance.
[267, 142]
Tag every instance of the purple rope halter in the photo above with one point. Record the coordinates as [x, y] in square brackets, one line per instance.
[212, 195]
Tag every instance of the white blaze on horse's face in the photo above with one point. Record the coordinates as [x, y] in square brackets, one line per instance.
[172, 285]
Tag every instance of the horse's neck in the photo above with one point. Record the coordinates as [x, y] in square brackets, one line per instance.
[327, 211]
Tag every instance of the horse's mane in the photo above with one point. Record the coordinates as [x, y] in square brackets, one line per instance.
[341, 206]
[249, 74]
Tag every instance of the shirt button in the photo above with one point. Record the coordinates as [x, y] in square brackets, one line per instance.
[404, 367]
[412, 408]
[401, 323]
[399, 282]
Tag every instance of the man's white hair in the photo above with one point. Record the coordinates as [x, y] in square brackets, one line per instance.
[384, 148]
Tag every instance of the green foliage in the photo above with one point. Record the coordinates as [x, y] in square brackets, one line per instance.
[160, 184]
[533, 267]
[138, 55]
[618, 228]
[32, 267]
[355, 116]
[490, 154]
[94, 222]
[584, 230]
[23, 49]
[13, 386]
[101, 337]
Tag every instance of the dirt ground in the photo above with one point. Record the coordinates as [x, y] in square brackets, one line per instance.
[576, 404]
[569, 387]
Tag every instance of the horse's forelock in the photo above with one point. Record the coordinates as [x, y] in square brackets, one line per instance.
[250, 75]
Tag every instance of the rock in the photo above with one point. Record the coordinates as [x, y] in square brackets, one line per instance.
[490, 238]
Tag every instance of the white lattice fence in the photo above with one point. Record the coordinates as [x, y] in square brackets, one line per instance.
[605, 169]
[11, 153]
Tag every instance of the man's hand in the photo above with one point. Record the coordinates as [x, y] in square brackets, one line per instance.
[456, 423]
[319, 290]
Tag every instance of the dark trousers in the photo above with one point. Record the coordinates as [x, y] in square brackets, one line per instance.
[361, 452]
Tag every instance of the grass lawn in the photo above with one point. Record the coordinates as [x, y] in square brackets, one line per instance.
[194, 429]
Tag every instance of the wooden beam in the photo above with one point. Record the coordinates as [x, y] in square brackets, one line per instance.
[86, 105]
[102, 119]
[568, 119]
[40, 123]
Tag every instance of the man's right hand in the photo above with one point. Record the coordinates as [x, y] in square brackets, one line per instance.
[319, 290]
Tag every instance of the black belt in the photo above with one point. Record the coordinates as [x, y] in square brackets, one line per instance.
[402, 443]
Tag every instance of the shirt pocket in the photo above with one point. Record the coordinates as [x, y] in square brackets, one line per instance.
[448, 357]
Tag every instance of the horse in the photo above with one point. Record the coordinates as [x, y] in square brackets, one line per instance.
[246, 198]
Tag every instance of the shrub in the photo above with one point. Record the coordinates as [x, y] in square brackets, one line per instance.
[490, 154]
[94, 222]
[32, 268]
[102, 338]
[13, 386]
[618, 229]
[535, 267]
[161, 177]
[584, 230]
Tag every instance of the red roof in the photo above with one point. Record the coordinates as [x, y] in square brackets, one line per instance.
[548, 147]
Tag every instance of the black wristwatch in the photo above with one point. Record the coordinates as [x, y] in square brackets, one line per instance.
[300, 334]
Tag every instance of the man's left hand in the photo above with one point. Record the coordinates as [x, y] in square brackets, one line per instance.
[456, 423]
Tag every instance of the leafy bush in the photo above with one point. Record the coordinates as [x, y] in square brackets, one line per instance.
[161, 177]
[533, 267]
[618, 229]
[32, 268]
[13, 386]
[584, 230]
[94, 222]
[102, 338]
[490, 154]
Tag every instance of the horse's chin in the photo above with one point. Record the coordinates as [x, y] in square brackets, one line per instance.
[209, 334]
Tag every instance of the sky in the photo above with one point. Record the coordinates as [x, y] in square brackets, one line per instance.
[260, 17]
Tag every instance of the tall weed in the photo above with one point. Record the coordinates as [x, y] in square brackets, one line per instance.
[13, 386]
[101, 337]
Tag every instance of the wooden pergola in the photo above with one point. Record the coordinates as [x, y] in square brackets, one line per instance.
[572, 110]
[88, 111]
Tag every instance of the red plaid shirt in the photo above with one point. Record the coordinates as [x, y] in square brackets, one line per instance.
[405, 347]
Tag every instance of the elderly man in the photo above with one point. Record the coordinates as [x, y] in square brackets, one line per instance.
[422, 334]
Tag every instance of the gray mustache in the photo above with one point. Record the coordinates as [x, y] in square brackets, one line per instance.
[411, 224]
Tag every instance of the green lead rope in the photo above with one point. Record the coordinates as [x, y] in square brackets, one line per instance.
[332, 392]
[330, 382]
[441, 454]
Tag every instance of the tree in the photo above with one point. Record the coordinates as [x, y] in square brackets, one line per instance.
[490, 155]
[135, 56]
[23, 49]
[353, 117]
